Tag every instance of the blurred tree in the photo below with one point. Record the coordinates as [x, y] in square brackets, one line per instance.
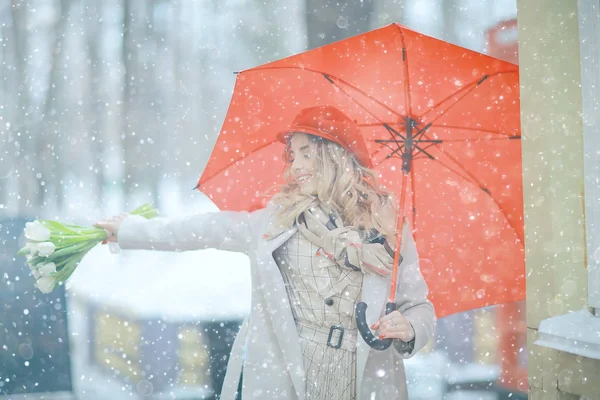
[450, 10]
[96, 116]
[8, 110]
[49, 150]
[386, 12]
[141, 144]
[328, 21]
[129, 60]
[191, 96]
[25, 139]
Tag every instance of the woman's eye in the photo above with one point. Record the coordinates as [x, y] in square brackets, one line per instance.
[307, 155]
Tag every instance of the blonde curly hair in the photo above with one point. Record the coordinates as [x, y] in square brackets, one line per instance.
[345, 186]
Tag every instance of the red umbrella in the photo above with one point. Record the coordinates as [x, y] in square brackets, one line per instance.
[442, 128]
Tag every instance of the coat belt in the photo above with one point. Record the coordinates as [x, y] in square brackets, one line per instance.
[334, 336]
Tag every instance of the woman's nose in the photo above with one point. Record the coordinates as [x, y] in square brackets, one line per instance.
[297, 164]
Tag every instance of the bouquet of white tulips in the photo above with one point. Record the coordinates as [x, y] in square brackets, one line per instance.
[53, 250]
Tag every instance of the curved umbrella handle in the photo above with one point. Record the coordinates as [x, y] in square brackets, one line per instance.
[365, 330]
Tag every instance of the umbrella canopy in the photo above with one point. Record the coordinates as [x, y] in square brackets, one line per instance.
[444, 118]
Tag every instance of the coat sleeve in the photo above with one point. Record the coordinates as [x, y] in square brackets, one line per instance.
[225, 230]
[411, 296]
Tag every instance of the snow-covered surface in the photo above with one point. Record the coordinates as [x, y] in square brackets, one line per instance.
[195, 285]
[473, 372]
[426, 375]
[41, 396]
[577, 332]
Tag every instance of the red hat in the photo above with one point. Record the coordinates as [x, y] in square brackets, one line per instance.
[330, 123]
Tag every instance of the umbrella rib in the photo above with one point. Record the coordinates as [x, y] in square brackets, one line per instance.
[452, 127]
[421, 132]
[393, 132]
[400, 147]
[407, 98]
[376, 124]
[422, 149]
[390, 130]
[413, 196]
[415, 141]
[471, 129]
[466, 176]
[332, 78]
[395, 151]
[467, 88]
[390, 147]
[421, 158]
[480, 139]
[474, 181]
[431, 145]
[387, 126]
[233, 162]
[382, 146]
[420, 141]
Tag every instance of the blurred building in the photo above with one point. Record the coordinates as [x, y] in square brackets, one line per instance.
[155, 324]
[559, 60]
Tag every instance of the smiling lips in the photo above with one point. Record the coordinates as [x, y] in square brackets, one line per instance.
[303, 178]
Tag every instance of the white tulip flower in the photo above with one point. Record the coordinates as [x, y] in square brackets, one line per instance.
[46, 248]
[45, 284]
[32, 246]
[46, 269]
[32, 267]
[36, 231]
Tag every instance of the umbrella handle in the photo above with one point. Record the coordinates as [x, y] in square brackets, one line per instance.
[365, 330]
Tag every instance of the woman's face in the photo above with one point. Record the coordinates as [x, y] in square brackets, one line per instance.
[303, 163]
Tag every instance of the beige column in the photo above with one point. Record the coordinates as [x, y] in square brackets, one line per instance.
[551, 119]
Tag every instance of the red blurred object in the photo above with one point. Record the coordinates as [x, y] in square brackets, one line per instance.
[511, 323]
[502, 41]
[512, 345]
[442, 118]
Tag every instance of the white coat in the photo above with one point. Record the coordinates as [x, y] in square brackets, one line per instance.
[272, 362]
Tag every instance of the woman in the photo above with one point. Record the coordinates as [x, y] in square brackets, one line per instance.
[319, 247]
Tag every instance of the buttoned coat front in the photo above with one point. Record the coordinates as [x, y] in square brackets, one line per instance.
[267, 344]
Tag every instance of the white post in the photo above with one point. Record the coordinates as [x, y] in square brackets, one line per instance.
[589, 34]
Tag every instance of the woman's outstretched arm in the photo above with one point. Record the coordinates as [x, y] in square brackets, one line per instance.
[225, 230]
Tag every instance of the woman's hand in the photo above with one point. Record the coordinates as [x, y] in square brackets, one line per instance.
[111, 226]
[394, 326]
